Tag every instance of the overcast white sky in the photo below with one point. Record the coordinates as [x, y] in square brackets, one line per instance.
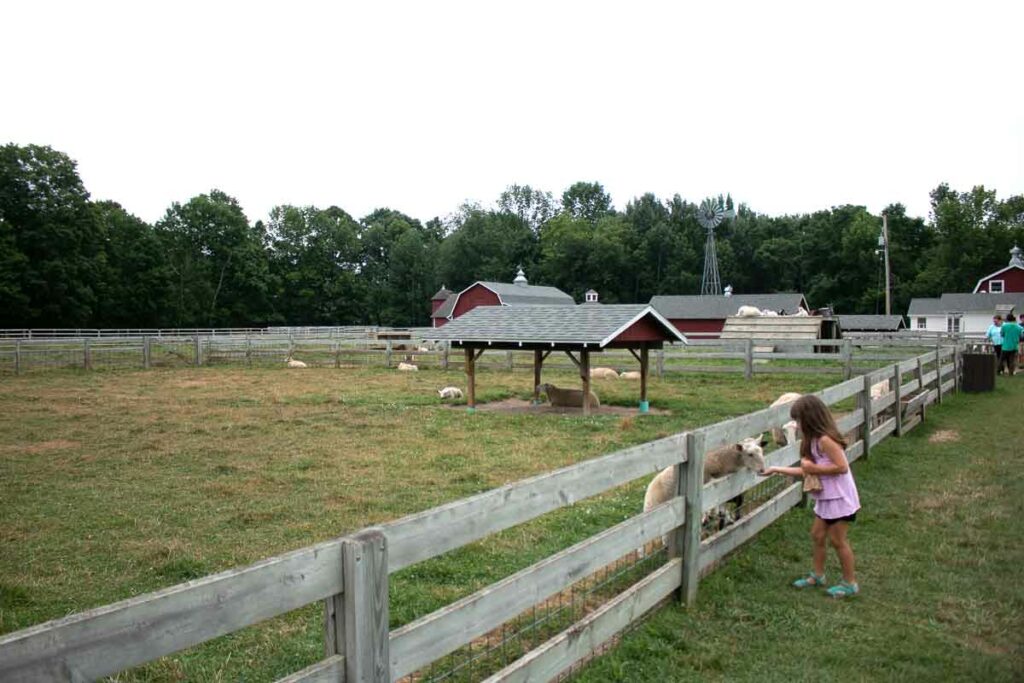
[419, 106]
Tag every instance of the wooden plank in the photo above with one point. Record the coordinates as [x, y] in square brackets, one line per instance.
[578, 641]
[364, 558]
[330, 670]
[713, 549]
[696, 448]
[435, 635]
[949, 386]
[103, 641]
[883, 430]
[430, 533]
[911, 422]
[730, 431]
[719, 491]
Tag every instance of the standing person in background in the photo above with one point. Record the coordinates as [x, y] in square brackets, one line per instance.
[995, 337]
[1011, 338]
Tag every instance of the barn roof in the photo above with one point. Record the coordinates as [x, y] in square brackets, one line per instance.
[880, 323]
[721, 307]
[512, 295]
[595, 326]
[959, 302]
[442, 294]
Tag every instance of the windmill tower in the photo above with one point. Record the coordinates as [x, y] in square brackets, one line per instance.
[710, 214]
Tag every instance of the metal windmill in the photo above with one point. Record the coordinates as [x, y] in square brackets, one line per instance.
[710, 214]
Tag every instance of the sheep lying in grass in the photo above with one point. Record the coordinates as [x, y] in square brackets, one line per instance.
[632, 374]
[747, 454]
[787, 432]
[449, 392]
[567, 398]
[603, 373]
[407, 367]
[294, 363]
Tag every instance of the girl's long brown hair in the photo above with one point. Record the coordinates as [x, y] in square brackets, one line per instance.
[815, 420]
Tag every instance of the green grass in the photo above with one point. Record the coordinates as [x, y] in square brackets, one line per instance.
[940, 562]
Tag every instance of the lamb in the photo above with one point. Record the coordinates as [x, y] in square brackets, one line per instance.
[768, 313]
[800, 313]
[787, 433]
[449, 392]
[749, 312]
[569, 398]
[407, 367]
[632, 374]
[603, 373]
[294, 363]
[747, 454]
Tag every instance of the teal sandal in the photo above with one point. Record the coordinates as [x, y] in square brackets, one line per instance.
[812, 580]
[843, 589]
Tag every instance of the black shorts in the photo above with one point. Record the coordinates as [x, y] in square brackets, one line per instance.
[847, 518]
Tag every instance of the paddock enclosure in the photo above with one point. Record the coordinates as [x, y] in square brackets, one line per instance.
[560, 604]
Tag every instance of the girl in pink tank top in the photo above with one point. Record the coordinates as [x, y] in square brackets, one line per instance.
[836, 503]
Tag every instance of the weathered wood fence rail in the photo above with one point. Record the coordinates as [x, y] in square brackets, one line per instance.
[748, 356]
[350, 574]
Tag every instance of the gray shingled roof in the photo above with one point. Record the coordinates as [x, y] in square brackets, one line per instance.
[512, 295]
[704, 306]
[591, 325]
[958, 302]
[445, 309]
[871, 322]
[442, 293]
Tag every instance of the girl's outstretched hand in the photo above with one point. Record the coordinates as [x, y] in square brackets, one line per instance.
[768, 471]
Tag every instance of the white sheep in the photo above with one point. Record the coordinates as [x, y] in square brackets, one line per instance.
[569, 398]
[603, 373]
[295, 363]
[769, 313]
[449, 392]
[407, 367]
[749, 312]
[787, 432]
[632, 374]
[800, 313]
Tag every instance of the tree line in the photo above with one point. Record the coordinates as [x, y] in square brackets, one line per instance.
[69, 261]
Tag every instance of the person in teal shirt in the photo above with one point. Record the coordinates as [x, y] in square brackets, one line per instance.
[1011, 338]
[995, 337]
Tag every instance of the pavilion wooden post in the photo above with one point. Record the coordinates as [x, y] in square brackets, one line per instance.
[585, 375]
[470, 379]
[538, 361]
[644, 363]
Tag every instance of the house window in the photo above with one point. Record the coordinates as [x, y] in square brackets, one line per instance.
[922, 323]
[995, 287]
[953, 322]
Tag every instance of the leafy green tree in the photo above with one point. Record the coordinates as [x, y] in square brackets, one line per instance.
[52, 259]
[487, 245]
[218, 262]
[587, 201]
[390, 259]
[533, 207]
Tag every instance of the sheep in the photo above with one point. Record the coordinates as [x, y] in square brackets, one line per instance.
[449, 392]
[407, 367]
[632, 374]
[787, 433]
[748, 312]
[800, 313]
[747, 454]
[603, 373]
[294, 363]
[569, 398]
[768, 313]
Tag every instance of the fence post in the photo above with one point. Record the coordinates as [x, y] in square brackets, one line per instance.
[748, 371]
[691, 485]
[86, 354]
[17, 357]
[364, 559]
[248, 351]
[865, 400]
[387, 354]
[147, 350]
[661, 363]
[444, 356]
[337, 353]
[898, 388]
[920, 383]
[847, 358]
[510, 362]
[938, 371]
[199, 356]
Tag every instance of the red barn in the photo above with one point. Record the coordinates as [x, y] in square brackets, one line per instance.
[704, 316]
[518, 293]
[1008, 280]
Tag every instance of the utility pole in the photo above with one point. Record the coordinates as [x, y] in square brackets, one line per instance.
[885, 247]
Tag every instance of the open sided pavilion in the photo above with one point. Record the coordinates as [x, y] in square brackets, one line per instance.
[578, 331]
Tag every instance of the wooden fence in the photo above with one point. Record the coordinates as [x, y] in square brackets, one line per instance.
[845, 357]
[351, 574]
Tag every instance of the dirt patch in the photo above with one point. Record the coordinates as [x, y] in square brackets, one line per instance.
[517, 405]
[944, 436]
[54, 445]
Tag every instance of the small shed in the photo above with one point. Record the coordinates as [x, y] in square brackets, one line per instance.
[578, 331]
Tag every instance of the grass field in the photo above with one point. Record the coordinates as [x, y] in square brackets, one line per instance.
[940, 562]
[116, 484]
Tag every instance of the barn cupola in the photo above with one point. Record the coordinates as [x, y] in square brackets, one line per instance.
[1015, 259]
[590, 297]
[520, 278]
